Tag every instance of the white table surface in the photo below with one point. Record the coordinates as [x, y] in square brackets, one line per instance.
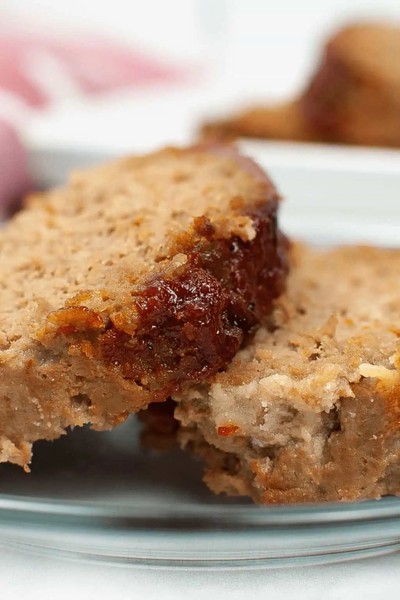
[46, 578]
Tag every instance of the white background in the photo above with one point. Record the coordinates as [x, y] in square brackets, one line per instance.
[236, 50]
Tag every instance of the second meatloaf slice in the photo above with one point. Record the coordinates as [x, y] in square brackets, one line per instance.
[137, 277]
[311, 410]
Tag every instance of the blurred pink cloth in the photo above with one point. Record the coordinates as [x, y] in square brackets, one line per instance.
[39, 70]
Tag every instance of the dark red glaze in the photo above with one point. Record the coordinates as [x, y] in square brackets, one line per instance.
[191, 326]
[185, 332]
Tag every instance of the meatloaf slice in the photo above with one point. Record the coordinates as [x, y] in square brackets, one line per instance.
[135, 278]
[310, 409]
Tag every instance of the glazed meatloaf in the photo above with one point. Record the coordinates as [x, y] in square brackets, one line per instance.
[310, 409]
[135, 278]
[352, 98]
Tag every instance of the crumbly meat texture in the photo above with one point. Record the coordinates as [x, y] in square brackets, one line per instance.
[136, 277]
[310, 410]
[352, 98]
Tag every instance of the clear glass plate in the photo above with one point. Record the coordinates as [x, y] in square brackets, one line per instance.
[100, 496]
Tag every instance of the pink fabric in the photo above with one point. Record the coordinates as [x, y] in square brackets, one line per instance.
[91, 65]
[38, 70]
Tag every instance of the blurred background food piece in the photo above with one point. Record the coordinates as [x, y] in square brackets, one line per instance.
[132, 76]
[352, 98]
